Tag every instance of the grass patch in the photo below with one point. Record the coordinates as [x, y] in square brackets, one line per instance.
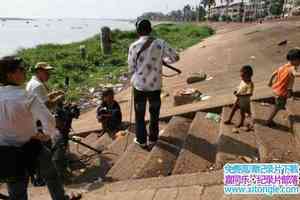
[90, 72]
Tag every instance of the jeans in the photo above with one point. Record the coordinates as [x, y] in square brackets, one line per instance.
[140, 101]
[18, 190]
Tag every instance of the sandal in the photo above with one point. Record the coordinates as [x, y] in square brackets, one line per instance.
[74, 196]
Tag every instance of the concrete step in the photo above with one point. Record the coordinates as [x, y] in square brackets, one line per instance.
[293, 108]
[129, 163]
[275, 144]
[204, 179]
[101, 165]
[199, 149]
[256, 197]
[79, 149]
[164, 154]
[101, 143]
[187, 187]
[234, 147]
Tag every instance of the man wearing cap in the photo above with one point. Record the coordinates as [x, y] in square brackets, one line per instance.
[18, 111]
[37, 85]
[145, 59]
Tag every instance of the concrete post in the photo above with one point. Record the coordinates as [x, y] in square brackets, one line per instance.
[106, 40]
[82, 49]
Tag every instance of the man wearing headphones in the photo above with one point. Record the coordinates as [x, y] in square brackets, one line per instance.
[145, 59]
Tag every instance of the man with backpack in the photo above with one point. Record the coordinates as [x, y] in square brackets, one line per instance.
[145, 60]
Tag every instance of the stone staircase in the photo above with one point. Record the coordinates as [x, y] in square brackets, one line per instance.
[187, 161]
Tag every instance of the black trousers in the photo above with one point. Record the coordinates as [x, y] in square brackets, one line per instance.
[140, 101]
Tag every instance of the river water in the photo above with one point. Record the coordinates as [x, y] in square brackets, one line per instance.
[16, 34]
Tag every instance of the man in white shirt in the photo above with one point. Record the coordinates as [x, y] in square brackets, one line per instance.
[145, 59]
[37, 86]
[18, 114]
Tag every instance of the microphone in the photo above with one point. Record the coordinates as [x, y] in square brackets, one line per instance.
[39, 126]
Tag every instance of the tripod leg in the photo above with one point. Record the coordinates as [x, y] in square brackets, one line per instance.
[85, 145]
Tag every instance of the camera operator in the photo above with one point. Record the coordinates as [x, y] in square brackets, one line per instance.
[37, 86]
[109, 113]
[20, 146]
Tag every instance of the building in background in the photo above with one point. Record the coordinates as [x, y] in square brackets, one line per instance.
[288, 7]
[240, 10]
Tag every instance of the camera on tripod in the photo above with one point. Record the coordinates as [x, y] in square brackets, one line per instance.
[64, 115]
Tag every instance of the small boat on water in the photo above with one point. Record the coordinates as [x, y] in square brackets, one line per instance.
[76, 27]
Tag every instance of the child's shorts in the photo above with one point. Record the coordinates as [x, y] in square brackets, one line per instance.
[280, 102]
[244, 105]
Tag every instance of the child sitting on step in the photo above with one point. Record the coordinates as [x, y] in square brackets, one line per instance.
[243, 96]
[284, 81]
[109, 113]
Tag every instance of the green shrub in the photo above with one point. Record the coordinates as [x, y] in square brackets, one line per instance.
[90, 72]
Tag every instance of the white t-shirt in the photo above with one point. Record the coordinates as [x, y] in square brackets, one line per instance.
[19, 112]
[147, 71]
[37, 88]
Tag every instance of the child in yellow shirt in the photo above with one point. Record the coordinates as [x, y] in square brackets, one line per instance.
[243, 95]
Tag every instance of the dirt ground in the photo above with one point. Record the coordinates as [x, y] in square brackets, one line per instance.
[221, 57]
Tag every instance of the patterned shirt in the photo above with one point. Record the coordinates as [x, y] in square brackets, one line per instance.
[147, 71]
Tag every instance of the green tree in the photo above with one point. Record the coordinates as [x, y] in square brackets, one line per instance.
[201, 13]
[276, 7]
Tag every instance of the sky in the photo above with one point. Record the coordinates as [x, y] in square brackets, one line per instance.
[118, 9]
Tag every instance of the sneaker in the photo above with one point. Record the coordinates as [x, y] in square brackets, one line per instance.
[142, 145]
[152, 144]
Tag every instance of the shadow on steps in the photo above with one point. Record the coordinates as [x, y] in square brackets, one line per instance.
[236, 147]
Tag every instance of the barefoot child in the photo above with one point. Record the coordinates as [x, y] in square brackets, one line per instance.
[243, 94]
[282, 82]
[109, 113]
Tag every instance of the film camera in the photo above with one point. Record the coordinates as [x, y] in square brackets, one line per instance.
[64, 115]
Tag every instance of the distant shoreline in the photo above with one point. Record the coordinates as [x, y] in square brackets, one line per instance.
[61, 19]
[15, 19]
